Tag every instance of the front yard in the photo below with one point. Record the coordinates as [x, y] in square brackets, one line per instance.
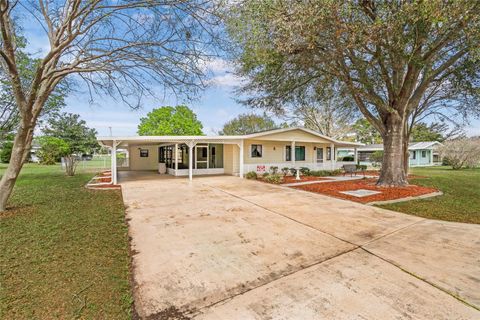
[64, 249]
[460, 200]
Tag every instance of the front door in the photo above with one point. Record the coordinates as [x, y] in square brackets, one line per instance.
[201, 159]
[319, 155]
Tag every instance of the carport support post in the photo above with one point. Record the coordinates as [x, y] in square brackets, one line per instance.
[292, 154]
[241, 169]
[176, 158]
[355, 155]
[114, 162]
[190, 160]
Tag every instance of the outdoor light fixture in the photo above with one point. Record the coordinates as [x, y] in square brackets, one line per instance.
[273, 148]
[314, 148]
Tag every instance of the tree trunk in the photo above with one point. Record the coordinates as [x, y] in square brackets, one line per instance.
[393, 173]
[20, 152]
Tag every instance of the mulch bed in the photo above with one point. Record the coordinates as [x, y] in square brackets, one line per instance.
[291, 179]
[333, 189]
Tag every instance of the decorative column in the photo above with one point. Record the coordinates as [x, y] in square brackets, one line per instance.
[431, 157]
[332, 156]
[355, 155]
[292, 154]
[241, 169]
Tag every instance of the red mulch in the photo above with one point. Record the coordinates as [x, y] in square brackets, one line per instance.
[103, 180]
[105, 173]
[334, 188]
[291, 179]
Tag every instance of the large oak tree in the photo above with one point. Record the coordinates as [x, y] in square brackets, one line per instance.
[119, 47]
[396, 59]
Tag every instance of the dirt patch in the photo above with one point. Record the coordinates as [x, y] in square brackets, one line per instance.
[334, 189]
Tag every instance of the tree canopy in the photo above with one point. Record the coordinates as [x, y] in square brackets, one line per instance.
[74, 131]
[397, 60]
[248, 123]
[179, 121]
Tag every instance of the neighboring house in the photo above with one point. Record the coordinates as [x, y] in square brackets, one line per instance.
[421, 153]
[234, 155]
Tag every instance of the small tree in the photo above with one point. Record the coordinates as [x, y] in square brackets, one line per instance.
[52, 149]
[76, 134]
[177, 121]
[461, 153]
[248, 123]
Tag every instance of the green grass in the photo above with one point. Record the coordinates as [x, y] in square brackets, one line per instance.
[460, 200]
[64, 249]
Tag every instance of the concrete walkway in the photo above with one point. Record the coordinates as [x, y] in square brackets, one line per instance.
[227, 248]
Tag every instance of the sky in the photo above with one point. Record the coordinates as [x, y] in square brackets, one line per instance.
[215, 106]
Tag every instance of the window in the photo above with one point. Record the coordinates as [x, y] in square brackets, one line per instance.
[143, 153]
[299, 153]
[329, 153]
[424, 154]
[256, 151]
[414, 155]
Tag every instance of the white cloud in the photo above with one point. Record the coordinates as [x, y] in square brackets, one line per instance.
[225, 80]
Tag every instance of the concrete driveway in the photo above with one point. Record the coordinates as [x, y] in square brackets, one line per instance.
[227, 248]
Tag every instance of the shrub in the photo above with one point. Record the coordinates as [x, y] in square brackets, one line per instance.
[274, 178]
[376, 158]
[273, 169]
[251, 175]
[285, 171]
[461, 152]
[293, 171]
[6, 151]
[52, 149]
[347, 158]
[305, 171]
[361, 167]
[325, 173]
[265, 174]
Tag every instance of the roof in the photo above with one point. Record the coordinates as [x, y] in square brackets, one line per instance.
[411, 146]
[108, 141]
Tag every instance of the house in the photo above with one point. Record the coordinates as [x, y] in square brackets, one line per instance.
[233, 155]
[421, 153]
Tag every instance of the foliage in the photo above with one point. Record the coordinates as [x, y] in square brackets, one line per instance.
[274, 178]
[6, 151]
[461, 153]
[325, 173]
[305, 171]
[9, 112]
[247, 124]
[79, 138]
[265, 174]
[346, 158]
[293, 171]
[460, 200]
[63, 245]
[435, 131]
[397, 60]
[273, 169]
[164, 121]
[251, 175]
[365, 132]
[361, 167]
[52, 149]
[285, 171]
[376, 158]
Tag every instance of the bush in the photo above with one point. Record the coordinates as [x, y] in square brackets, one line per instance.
[285, 171]
[6, 152]
[325, 173]
[274, 178]
[376, 158]
[52, 149]
[273, 170]
[305, 171]
[293, 171]
[347, 158]
[461, 153]
[265, 174]
[251, 175]
[361, 167]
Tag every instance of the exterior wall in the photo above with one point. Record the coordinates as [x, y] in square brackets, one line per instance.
[231, 159]
[419, 160]
[274, 154]
[138, 163]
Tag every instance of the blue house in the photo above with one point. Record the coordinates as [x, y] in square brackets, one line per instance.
[421, 153]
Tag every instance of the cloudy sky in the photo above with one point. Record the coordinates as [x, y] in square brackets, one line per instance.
[214, 107]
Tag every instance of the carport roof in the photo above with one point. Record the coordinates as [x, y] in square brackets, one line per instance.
[126, 140]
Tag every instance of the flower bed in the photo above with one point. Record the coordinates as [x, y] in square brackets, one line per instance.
[103, 181]
[334, 189]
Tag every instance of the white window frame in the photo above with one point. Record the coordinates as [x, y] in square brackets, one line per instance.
[250, 149]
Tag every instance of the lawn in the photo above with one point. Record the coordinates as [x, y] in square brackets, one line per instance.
[460, 201]
[64, 249]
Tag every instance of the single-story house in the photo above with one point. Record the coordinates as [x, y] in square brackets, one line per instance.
[233, 155]
[421, 153]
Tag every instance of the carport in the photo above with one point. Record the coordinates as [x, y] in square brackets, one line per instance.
[175, 152]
